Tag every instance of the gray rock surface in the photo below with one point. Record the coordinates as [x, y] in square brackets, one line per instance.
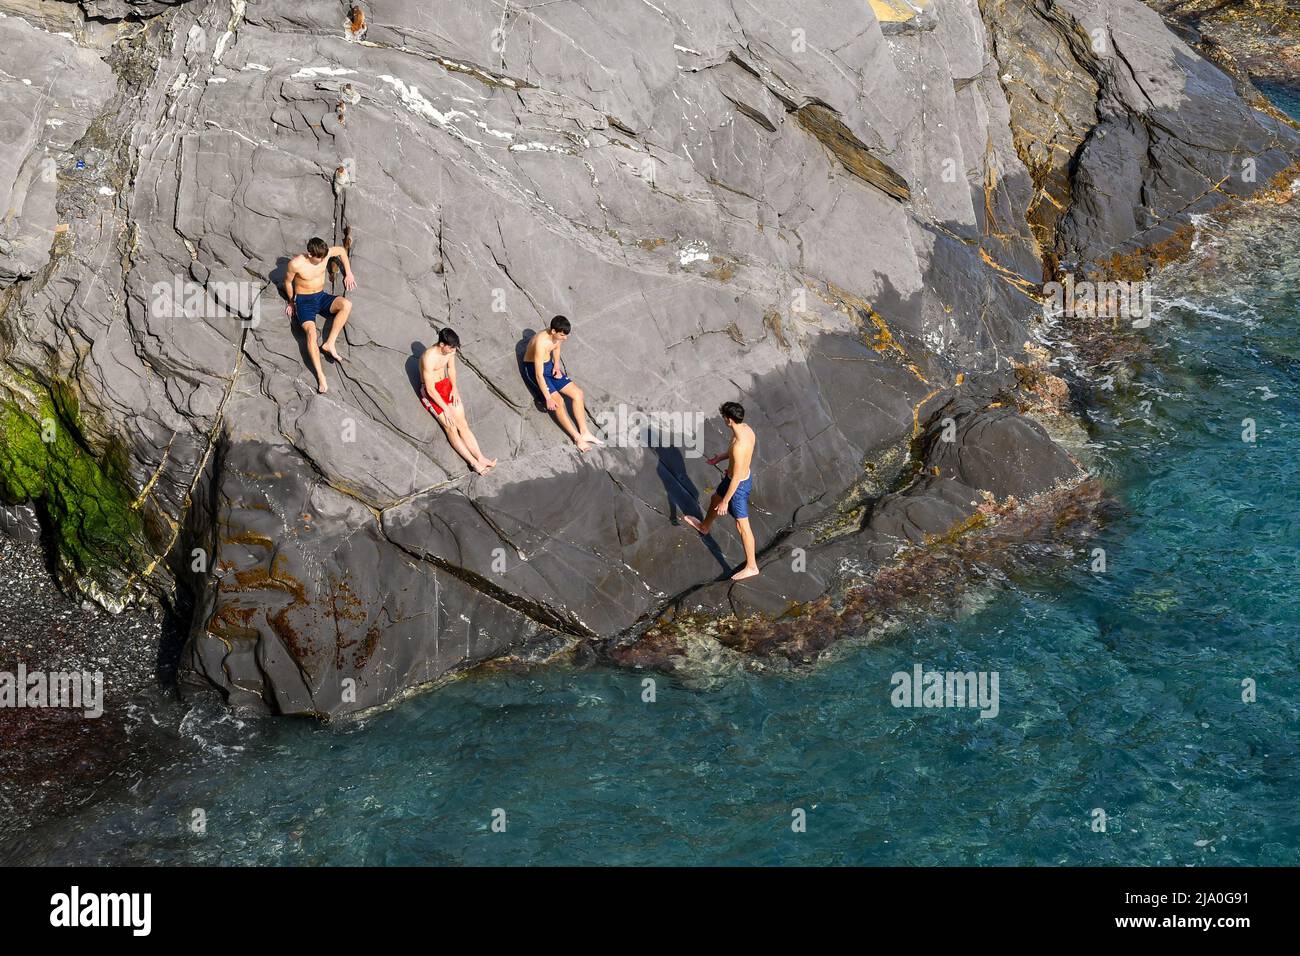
[20, 522]
[996, 450]
[840, 226]
[52, 90]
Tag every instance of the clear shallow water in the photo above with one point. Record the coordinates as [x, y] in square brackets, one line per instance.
[1119, 691]
[1286, 98]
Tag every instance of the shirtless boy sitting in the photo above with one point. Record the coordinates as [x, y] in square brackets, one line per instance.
[309, 303]
[546, 373]
[441, 396]
[733, 493]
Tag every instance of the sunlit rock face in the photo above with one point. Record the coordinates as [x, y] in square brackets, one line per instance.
[838, 216]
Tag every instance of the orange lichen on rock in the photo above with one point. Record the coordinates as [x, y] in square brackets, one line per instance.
[1039, 393]
[883, 338]
[1137, 264]
[1282, 188]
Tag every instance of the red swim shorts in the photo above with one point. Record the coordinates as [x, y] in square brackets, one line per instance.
[443, 388]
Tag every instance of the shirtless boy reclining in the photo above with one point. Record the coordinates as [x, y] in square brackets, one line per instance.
[441, 396]
[546, 373]
[733, 492]
[309, 303]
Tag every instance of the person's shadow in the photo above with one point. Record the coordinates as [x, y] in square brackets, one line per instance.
[684, 497]
[413, 369]
[521, 349]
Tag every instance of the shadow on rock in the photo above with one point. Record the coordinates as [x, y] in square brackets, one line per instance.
[521, 348]
[684, 498]
[413, 368]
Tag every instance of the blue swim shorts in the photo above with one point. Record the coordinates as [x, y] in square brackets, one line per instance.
[738, 507]
[553, 382]
[307, 307]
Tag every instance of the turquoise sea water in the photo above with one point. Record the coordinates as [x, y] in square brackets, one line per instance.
[1285, 97]
[1119, 691]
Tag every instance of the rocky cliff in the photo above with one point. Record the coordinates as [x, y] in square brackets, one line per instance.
[838, 213]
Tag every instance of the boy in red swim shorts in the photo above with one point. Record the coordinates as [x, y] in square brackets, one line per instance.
[441, 396]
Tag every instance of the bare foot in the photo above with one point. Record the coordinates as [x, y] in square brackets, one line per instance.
[694, 523]
[743, 573]
[592, 438]
[488, 464]
[480, 469]
[584, 446]
[322, 386]
[328, 349]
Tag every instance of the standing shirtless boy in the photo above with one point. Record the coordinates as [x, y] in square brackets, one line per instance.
[733, 493]
[304, 285]
[545, 372]
[441, 396]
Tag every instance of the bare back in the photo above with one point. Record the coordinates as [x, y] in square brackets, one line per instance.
[741, 451]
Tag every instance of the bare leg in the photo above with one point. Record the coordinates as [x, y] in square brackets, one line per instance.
[747, 538]
[562, 416]
[467, 436]
[457, 443]
[341, 309]
[710, 514]
[313, 352]
[578, 397]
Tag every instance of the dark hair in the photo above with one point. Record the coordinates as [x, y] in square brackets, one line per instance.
[317, 247]
[561, 324]
[449, 337]
[733, 412]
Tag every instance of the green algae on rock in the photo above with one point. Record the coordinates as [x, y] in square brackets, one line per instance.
[98, 535]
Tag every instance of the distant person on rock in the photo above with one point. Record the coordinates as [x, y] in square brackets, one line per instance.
[733, 493]
[309, 303]
[441, 396]
[546, 373]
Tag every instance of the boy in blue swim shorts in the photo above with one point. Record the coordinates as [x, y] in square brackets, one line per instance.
[732, 496]
[546, 374]
[311, 308]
